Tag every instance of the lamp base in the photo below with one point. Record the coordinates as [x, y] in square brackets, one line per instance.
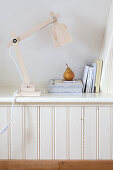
[28, 90]
[36, 93]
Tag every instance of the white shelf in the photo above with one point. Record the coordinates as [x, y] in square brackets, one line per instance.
[6, 96]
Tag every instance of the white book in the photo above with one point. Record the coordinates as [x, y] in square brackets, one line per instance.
[85, 75]
[89, 80]
[58, 86]
[94, 76]
[64, 90]
[58, 83]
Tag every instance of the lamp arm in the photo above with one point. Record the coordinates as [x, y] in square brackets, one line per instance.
[37, 28]
[32, 31]
[15, 43]
[20, 61]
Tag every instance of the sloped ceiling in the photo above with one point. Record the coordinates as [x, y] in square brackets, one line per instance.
[86, 20]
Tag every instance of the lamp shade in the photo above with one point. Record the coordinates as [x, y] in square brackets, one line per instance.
[60, 34]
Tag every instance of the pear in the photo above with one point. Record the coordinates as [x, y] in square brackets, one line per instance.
[68, 74]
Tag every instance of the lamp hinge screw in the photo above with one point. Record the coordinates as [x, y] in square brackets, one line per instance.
[14, 40]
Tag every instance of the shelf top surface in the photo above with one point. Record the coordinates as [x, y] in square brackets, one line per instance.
[6, 96]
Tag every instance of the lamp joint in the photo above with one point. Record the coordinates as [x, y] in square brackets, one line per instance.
[14, 40]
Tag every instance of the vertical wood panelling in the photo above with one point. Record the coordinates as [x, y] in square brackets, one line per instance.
[46, 136]
[75, 133]
[90, 133]
[38, 132]
[82, 132]
[111, 132]
[23, 133]
[53, 133]
[31, 132]
[16, 134]
[104, 133]
[9, 133]
[4, 136]
[83, 129]
[97, 133]
[68, 133]
[57, 132]
[60, 133]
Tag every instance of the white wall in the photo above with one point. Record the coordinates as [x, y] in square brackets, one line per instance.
[85, 19]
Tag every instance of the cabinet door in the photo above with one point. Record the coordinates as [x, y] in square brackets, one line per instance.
[4, 138]
[105, 151]
[46, 133]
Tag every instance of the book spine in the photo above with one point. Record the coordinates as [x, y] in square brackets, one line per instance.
[98, 75]
[94, 76]
[89, 80]
[84, 79]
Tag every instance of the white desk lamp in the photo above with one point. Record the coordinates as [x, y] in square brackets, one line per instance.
[60, 35]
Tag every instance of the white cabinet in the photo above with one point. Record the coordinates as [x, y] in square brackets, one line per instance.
[4, 138]
[57, 132]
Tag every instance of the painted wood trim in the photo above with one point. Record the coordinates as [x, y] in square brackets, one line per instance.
[91, 98]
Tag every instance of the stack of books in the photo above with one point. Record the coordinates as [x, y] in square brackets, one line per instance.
[92, 76]
[61, 86]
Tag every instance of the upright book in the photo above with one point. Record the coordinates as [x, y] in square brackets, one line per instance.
[94, 76]
[89, 80]
[84, 79]
[98, 75]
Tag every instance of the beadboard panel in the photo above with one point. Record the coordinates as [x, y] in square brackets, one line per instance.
[4, 147]
[75, 133]
[46, 135]
[60, 133]
[104, 133]
[31, 139]
[90, 142]
[17, 136]
[57, 132]
[111, 126]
